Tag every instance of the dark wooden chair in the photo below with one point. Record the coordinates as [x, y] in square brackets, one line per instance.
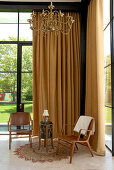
[20, 120]
[72, 140]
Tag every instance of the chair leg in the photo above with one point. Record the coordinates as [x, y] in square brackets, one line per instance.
[57, 150]
[29, 136]
[72, 151]
[90, 149]
[39, 142]
[10, 141]
[76, 146]
[30, 141]
[52, 142]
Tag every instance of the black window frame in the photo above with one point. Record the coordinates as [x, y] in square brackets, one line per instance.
[112, 65]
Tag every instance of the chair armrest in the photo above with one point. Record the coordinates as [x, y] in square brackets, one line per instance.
[86, 132]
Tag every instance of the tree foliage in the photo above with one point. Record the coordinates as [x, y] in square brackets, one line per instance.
[8, 70]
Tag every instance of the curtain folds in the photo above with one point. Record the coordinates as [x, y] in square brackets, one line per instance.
[56, 76]
[95, 73]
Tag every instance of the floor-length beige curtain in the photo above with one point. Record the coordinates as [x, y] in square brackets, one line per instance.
[56, 76]
[95, 73]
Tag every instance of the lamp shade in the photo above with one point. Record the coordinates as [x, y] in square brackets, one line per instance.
[45, 113]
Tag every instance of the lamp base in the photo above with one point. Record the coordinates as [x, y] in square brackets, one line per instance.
[45, 118]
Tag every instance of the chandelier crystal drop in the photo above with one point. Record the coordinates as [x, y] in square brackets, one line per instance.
[52, 21]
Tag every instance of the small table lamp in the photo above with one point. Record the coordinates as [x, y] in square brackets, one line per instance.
[45, 115]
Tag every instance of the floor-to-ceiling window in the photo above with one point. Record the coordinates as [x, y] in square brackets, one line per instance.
[15, 63]
[107, 74]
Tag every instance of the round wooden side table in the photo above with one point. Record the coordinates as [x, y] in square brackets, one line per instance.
[46, 132]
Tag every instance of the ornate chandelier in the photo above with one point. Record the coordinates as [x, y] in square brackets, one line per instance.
[52, 21]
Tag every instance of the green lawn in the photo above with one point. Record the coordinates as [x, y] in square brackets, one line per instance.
[108, 115]
[6, 109]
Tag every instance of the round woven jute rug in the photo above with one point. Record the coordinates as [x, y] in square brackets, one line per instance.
[34, 154]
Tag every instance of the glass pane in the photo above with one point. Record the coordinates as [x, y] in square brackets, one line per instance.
[8, 87]
[9, 32]
[25, 32]
[108, 127]
[23, 17]
[5, 110]
[29, 108]
[27, 58]
[108, 96]
[26, 87]
[107, 51]
[106, 12]
[8, 17]
[8, 57]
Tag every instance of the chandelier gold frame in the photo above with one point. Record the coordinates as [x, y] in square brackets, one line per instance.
[52, 21]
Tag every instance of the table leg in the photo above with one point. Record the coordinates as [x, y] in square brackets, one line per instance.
[46, 138]
[52, 137]
[44, 142]
[39, 139]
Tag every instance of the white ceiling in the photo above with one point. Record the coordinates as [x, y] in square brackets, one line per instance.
[43, 0]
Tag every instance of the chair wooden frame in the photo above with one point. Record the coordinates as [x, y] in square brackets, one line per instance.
[20, 119]
[72, 140]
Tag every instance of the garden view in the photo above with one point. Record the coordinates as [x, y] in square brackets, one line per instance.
[8, 78]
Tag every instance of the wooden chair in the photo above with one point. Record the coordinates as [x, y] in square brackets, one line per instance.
[72, 140]
[20, 119]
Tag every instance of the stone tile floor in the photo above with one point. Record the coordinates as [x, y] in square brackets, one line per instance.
[82, 159]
